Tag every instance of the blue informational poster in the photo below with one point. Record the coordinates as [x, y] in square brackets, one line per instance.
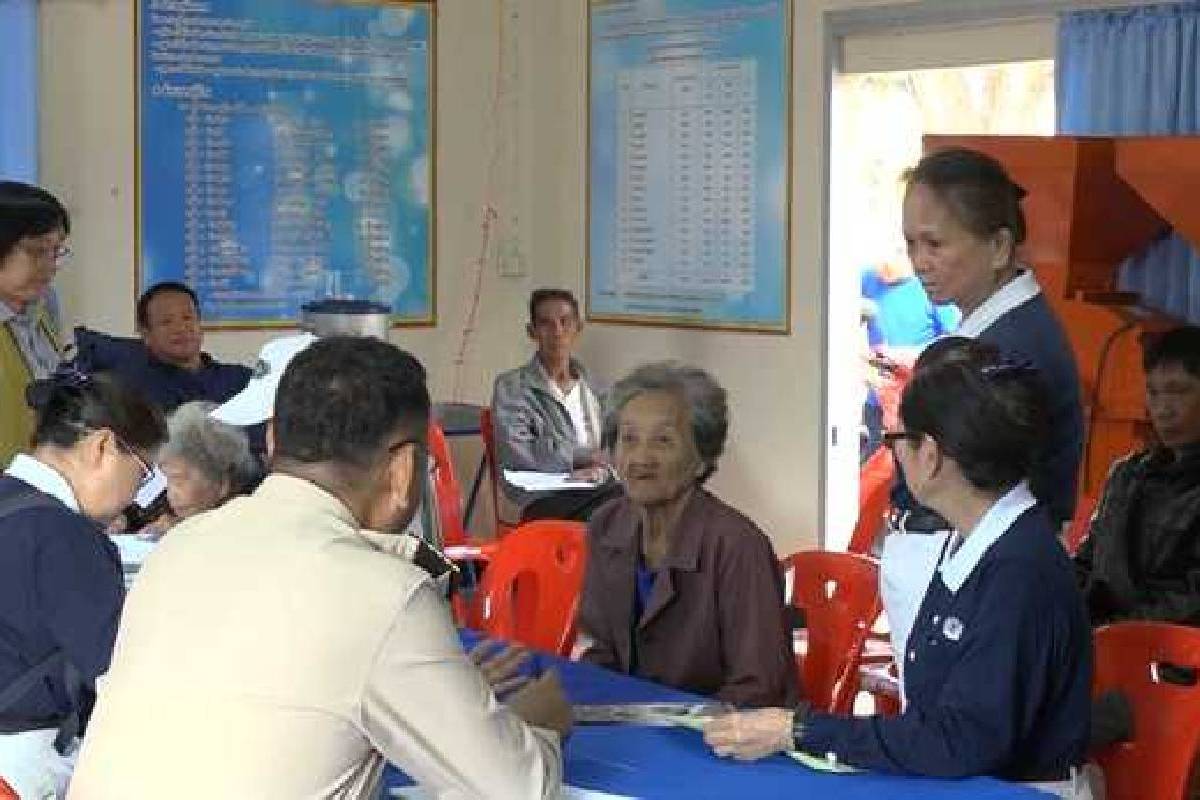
[688, 163]
[285, 155]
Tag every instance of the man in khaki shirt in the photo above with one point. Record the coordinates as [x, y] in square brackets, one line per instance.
[270, 650]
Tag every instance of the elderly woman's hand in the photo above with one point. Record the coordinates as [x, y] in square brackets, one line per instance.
[750, 735]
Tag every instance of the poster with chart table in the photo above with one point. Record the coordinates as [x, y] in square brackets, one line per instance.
[285, 154]
[688, 163]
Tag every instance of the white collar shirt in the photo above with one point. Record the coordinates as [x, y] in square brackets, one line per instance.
[1021, 289]
[44, 478]
[957, 565]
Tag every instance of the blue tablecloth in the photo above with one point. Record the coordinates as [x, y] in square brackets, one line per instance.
[672, 763]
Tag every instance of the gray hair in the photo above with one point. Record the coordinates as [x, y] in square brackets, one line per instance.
[703, 397]
[221, 452]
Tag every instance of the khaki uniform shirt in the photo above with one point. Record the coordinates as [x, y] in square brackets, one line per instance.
[268, 650]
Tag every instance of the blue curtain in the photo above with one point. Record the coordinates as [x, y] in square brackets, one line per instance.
[18, 89]
[1137, 72]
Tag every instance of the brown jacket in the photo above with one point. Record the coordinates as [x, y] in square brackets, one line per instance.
[714, 623]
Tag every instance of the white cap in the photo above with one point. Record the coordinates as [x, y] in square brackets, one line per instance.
[256, 403]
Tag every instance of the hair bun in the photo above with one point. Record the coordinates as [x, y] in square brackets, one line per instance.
[67, 379]
[39, 393]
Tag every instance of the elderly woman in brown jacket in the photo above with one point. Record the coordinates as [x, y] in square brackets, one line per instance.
[681, 588]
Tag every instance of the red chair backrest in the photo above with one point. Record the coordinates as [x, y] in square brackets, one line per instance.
[874, 497]
[530, 590]
[1166, 715]
[839, 593]
[1081, 524]
[446, 490]
[487, 432]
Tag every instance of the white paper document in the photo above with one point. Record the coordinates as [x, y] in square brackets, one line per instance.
[545, 481]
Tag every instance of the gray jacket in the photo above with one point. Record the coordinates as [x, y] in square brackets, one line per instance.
[533, 430]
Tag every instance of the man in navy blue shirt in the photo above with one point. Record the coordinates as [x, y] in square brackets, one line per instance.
[176, 369]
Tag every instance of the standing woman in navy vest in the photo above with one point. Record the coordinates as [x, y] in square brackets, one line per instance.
[962, 225]
[999, 660]
[61, 586]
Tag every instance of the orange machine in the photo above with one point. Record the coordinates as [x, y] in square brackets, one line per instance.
[1094, 201]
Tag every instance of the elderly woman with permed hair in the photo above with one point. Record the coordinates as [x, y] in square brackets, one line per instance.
[681, 588]
[205, 461]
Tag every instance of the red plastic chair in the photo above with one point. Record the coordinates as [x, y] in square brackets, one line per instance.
[1137, 658]
[1081, 524]
[488, 432]
[839, 593]
[530, 591]
[6, 791]
[446, 489]
[448, 499]
[874, 498]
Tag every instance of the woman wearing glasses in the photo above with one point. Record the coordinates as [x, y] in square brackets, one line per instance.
[33, 231]
[998, 665]
[61, 585]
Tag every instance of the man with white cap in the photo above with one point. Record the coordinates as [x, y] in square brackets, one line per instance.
[280, 647]
[255, 404]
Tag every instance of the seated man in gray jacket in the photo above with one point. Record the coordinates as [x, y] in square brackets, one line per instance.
[548, 419]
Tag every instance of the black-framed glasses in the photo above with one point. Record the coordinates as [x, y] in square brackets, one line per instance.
[147, 470]
[421, 446]
[56, 255]
[891, 437]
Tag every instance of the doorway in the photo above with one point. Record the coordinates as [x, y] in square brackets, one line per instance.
[877, 119]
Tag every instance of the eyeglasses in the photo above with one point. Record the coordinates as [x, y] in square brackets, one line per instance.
[419, 445]
[891, 437]
[58, 255]
[147, 470]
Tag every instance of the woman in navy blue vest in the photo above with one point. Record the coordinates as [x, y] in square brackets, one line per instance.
[61, 587]
[999, 660]
[962, 225]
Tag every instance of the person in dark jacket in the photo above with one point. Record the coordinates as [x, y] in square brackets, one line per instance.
[1141, 560]
[999, 662]
[167, 364]
[61, 587]
[680, 588]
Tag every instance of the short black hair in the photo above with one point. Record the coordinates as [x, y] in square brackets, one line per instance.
[976, 188]
[166, 287]
[986, 412]
[25, 211]
[342, 400]
[1179, 346]
[540, 296]
[70, 403]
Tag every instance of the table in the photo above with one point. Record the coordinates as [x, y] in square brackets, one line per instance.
[671, 763]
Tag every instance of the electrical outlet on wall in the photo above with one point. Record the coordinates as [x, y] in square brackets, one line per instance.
[510, 260]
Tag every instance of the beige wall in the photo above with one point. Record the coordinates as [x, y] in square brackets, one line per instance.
[773, 465]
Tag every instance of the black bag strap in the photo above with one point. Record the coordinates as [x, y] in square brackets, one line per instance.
[25, 500]
[28, 679]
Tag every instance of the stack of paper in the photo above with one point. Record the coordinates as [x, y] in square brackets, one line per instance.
[545, 481]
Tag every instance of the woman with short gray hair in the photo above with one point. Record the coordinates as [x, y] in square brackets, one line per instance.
[205, 461]
[706, 609]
